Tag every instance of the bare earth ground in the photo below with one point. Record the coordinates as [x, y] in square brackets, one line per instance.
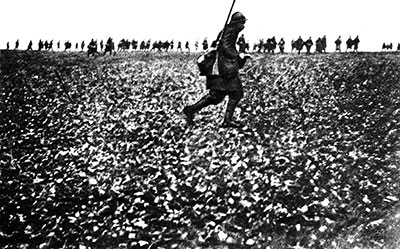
[95, 153]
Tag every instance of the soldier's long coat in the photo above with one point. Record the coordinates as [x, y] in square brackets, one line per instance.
[229, 63]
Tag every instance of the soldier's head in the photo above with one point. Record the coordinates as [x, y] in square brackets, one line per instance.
[238, 19]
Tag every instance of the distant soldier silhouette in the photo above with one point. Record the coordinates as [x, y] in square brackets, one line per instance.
[109, 46]
[83, 45]
[134, 44]
[166, 45]
[101, 45]
[227, 82]
[67, 45]
[30, 45]
[142, 45]
[51, 45]
[92, 48]
[40, 45]
[298, 44]
[349, 43]
[16, 44]
[76, 46]
[242, 44]
[270, 45]
[58, 45]
[187, 46]
[260, 46]
[355, 43]
[318, 45]
[179, 47]
[338, 43]
[148, 43]
[46, 45]
[308, 45]
[281, 45]
[205, 44]
[160, 45]
[196, 45]
[387, 46]
[8, 45]
[323, 43]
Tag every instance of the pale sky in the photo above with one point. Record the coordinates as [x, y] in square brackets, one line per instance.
[373, 21]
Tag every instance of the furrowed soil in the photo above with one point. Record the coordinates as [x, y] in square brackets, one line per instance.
[95, 153]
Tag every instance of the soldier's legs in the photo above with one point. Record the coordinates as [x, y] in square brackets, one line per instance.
[234, 98]
[214, 97]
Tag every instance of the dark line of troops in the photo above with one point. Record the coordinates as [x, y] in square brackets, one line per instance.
[91, 47]
[269, 45]
[109, 46]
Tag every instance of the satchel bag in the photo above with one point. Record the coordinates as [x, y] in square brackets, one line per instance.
[208, 63]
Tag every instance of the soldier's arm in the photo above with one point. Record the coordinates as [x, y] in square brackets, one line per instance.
[228, 45]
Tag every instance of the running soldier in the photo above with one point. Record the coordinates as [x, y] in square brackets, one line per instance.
[187, 46]
[281, 45]
[179, 46]
[40, 45]
[308, 45]
[355, 43]
[109, 46]
[338, 43]
[92, 48]
[227, 82]
[30, 46]
[349, 43]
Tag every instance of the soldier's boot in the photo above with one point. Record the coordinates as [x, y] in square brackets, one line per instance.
[229, 122]
[191, 110]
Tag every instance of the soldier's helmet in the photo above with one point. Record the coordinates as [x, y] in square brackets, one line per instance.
[238, 17]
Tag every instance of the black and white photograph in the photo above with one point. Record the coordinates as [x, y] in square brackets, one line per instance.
[199, 124]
